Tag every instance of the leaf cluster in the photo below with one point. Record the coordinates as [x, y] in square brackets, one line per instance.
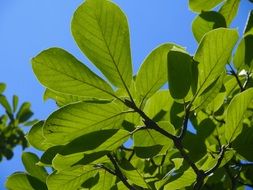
[86, 141]
[11, 120]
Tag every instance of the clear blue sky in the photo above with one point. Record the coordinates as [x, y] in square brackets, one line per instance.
[27, 27]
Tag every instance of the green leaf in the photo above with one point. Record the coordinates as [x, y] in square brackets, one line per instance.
[213, 54]
[229, 10]
[30, 161]
[35, 137]
[60, 71]
[75, 120]
[2, 87]
[162, 107]
[205, 22]
[14, 102]
[243, 57]
[101, 31]
[24, 113]
[179, 73]
[153, 72]
[183, 180]
[210, 93]
[242, 144]
[70, 179]
[203, 5]
[105, 181]
[235, 114]
[132, 174]
[20, 180]
[108, 140]
[249, 25]
[148, 143]
[4, 102]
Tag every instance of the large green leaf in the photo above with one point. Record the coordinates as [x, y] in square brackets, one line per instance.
[60, 71]
[70, 179]
[212, 55]
[229, 10]
[101, 31]
[153, 72]
[205, 22]
[23, 181]
[108, 140]
[235, 114]
[30, 160]
[75, 120]
[203, 5]
[179, 73]
[35, 137]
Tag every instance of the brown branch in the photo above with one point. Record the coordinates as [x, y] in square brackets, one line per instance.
[185, 122]
[217, 165]
[119, 174]
[232, 71]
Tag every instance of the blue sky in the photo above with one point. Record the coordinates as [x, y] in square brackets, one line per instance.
[27, 27]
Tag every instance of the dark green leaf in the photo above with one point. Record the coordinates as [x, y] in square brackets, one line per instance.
[179, 73]
[14, 102]
[24, 113]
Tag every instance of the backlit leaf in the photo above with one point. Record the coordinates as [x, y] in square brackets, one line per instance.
[235, 114]
[75, 120]
[101, 31]
[60, 71]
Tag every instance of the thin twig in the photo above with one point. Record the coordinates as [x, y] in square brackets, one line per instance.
[119, 174]
[105, 168]
[220, 158]
[232, 71]
[185, 121]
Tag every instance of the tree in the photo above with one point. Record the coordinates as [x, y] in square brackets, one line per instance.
[85, 140]
[11, 121]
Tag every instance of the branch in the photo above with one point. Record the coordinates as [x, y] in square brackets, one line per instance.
[185, 122]
[119, 174]
[232, 71]
[105, 168]
[216, 166]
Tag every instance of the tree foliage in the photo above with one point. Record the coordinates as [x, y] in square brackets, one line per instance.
[11, 120]
[85, 140]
